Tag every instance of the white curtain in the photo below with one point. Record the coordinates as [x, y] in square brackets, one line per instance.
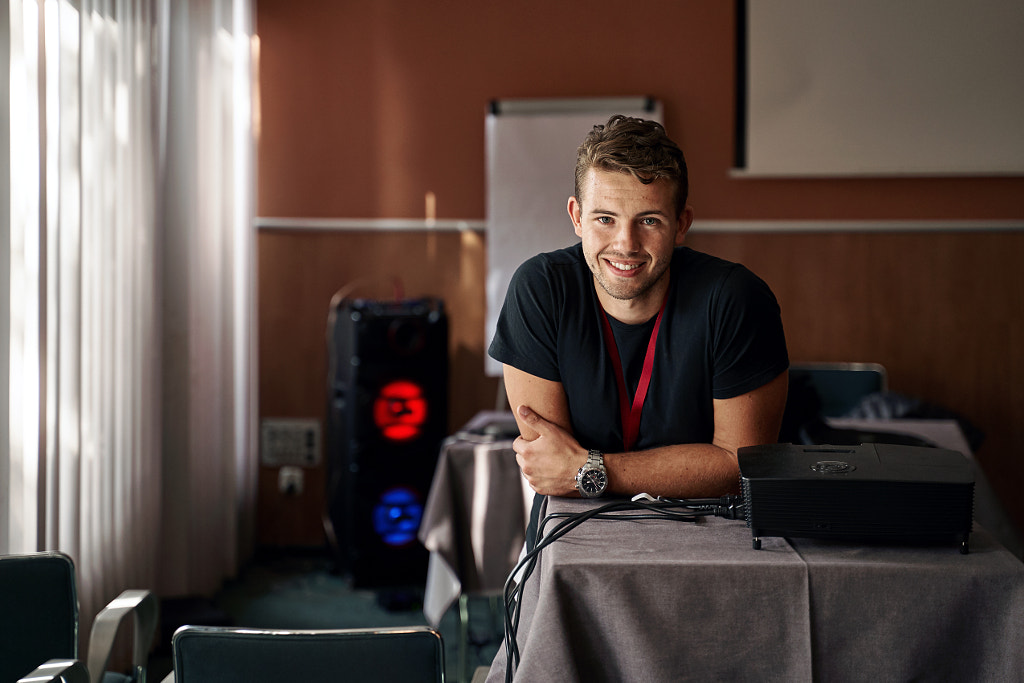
[127, 290]
[208, 255]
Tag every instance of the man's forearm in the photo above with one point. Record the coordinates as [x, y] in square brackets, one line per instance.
[683, 471]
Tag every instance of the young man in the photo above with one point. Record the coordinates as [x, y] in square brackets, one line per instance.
[635, 364]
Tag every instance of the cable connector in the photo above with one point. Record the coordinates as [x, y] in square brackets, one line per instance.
[731, 507]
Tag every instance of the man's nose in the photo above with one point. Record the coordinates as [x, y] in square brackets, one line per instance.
[627, 238]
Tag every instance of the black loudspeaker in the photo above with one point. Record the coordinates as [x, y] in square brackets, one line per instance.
[388, 415]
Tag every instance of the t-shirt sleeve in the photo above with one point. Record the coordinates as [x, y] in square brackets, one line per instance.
[526, 336]
[749, 342]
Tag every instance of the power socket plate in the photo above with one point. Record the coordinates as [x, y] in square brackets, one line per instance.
[291, 442]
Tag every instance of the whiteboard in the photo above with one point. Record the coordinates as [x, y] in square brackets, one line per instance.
[876, 87]
[531, 160]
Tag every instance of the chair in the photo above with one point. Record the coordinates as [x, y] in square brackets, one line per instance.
[39, 623]
[215, 654]
[839, 386]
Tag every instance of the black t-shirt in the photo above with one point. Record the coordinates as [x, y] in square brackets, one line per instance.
[721, 336]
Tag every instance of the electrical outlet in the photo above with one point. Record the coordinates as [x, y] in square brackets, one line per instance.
[291, 480]
[290, 442]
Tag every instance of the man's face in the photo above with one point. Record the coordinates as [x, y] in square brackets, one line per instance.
[629, 231]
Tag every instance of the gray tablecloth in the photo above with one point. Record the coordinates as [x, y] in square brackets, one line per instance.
[677, 601]
[474, 522]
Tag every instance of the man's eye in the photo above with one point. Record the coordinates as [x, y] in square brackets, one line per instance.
[604, 220]
[649, 220]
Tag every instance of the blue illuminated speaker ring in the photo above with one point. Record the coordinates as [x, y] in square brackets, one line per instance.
[397, 516]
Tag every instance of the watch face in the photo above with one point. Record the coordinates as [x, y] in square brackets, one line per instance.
[593, 482]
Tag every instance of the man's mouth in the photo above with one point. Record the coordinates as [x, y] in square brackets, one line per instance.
[624, 267]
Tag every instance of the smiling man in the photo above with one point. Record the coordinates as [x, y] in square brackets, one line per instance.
[633, 363]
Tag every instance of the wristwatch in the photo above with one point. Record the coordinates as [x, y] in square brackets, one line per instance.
[592, 479]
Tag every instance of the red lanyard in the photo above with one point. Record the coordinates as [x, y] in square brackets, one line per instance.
[631, 415]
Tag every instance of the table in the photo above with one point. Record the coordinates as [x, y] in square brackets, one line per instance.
[474, 520]
[663, 600]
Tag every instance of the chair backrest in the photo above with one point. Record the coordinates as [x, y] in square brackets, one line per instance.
[212, 654]
[839, 386]
[38, 612]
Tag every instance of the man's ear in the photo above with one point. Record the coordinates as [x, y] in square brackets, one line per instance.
[685, 221]
[576, 215]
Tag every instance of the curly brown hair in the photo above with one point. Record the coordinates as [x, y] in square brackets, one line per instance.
[636, 146]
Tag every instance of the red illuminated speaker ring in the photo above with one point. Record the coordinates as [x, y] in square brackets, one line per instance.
[400, 410]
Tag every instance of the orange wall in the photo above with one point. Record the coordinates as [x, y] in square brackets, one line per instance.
[368, 106]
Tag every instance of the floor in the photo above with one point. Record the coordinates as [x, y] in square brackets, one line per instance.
[301, 590]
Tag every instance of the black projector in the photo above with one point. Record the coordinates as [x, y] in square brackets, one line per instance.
[872, 492]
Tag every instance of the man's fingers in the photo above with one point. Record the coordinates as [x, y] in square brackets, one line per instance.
[530, 417]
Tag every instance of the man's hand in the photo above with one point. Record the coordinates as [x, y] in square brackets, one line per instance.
[549, 462]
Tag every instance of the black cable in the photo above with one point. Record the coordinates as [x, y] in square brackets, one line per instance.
[689, 510]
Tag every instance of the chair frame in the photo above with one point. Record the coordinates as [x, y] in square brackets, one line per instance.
[141, 604]
[841, 365]
[144, 607]
[242, 632]
[57, 671]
